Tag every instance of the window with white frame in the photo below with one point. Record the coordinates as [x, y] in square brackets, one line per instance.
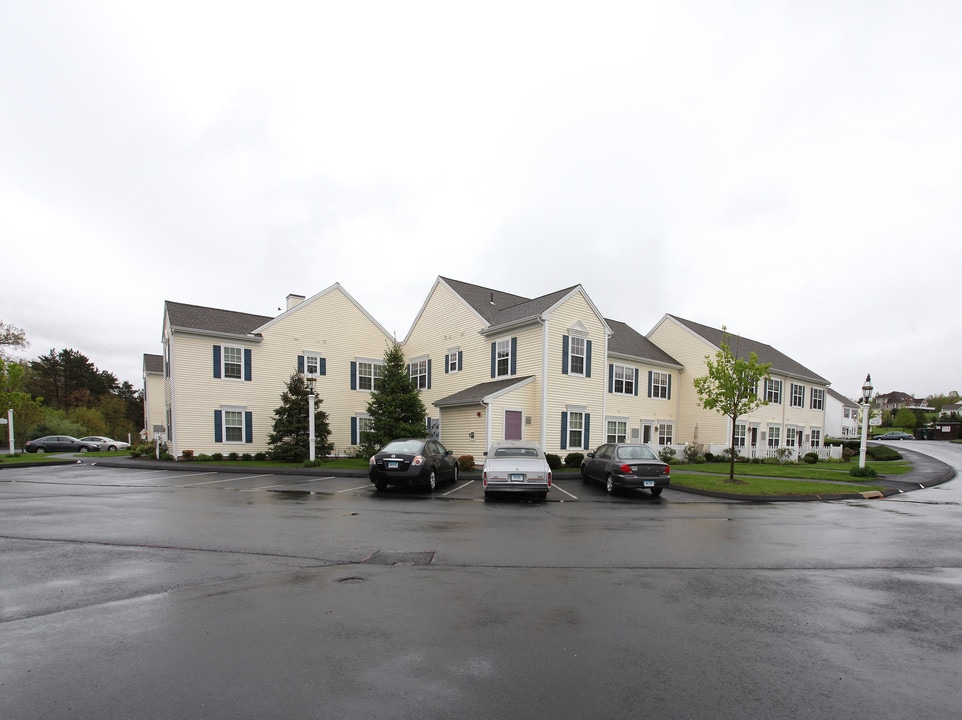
[418, 371]
[369, 375]
[791, 434]
[659, 385]
[798, 395]
[452, 360]
[773, 391]
[576, 427]
[741, 433]
[818, 399]
[665, 431]
[847, 413]
[365, 424]
[503, 366]
[774, 436]
[576, 355]
[312, 364]
[233, 426]
[816, 437]
[617, 431]
[233, 362]
[624, 380]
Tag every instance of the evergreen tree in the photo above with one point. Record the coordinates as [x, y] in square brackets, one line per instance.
[290, 439]
[395, 407]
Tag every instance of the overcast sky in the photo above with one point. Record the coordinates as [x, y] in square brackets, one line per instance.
[792, 170]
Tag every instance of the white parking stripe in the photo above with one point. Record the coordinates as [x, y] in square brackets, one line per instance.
[283, 484]
[555, 486]
[361, 487]
[458, 487]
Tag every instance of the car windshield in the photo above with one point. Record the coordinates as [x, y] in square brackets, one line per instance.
[516, 452]
[403, 446]
[636, 452]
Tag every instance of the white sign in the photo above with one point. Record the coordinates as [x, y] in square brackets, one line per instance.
[3, 421]
[874, 422]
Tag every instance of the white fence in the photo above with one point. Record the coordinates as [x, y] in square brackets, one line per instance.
[760, 451]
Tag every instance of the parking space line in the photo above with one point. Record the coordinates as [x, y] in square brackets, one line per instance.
[283, 484]
[458, 487]
[558, 487]
[360, 487]
[212, 482]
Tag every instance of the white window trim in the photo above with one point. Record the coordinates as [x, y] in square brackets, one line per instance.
[417, 361]
[452, 357]
[629, 377]
[223, 363]
[506, 358]
[357, 379]
[659, 385]
[224, 409]
[583, 355]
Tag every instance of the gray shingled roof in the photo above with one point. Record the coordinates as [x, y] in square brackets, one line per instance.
[842, 399]
[477, 393]
[153, 363]
[781, 363]
[628, 342]
[205, 319]
[500, 308]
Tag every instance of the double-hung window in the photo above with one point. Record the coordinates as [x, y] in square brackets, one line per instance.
[624, 380]
[312, 364]
[576, 427]
[818, 398]
[418, 371]
[503, 361]
[774, 436]
[816, 437]
[233, 362]
[659, 385]
[741, 433]
[617, 431]
[576, 355]
[773, 391]
[369, 375]
[665, 432]
[233, 426]
[798, 395]
[790, 437]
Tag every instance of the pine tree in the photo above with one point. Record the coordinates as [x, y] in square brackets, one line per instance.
[290, 439]
[395, 407]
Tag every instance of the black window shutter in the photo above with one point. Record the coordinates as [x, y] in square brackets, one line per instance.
[300, 364]
[218, 427]
[248, 427]
[216, 361]
[564, 354]
[564, 431]
[514, 356]
[248, 362]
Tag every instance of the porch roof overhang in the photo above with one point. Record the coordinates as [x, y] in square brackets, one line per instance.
[483, 393]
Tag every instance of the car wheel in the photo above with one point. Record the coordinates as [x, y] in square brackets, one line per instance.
[454, 477]
[41, 451]
[432, 480]
[610, 485]
[584, 474]
[656, 491]
[380, 485]
[83, 449]
[112, 448]
[544, 495]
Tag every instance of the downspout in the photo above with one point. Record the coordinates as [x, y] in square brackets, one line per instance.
[171, 444]
[544, 383]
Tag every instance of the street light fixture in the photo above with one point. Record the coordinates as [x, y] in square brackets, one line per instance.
[866, 397]
[311, 380]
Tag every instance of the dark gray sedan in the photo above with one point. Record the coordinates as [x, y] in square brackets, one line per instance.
[626, 466]
[59, 443]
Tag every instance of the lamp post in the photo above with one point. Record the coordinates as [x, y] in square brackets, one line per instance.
[311, 379]
[866, 397]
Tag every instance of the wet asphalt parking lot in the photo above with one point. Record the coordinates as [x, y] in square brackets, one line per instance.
[150, 593]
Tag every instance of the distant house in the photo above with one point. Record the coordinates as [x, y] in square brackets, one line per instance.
[154, 416]
[841, 415]
[948, 409]
[895, 401]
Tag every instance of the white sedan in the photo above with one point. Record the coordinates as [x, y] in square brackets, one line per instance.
[106, 443]
[516, 466]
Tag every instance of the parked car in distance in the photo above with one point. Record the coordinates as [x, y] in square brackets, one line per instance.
[59, 443]
[894, 435]
[618, 465]
[516, 466]
[106, 443]
[413, 461]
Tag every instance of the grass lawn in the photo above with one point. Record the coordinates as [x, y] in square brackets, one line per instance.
[783, 480]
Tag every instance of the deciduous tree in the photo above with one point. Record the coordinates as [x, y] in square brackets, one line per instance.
[731, 388]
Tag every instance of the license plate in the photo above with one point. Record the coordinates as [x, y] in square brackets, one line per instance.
[391, 465]
[649, 483]
[516, 477]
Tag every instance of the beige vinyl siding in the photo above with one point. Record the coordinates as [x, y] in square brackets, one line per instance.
[574, 390]
[525, 399]
[456, 428]
[447, 322]
[154, 403]
[641, 407]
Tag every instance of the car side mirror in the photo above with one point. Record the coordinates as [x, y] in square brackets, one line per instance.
[591, 455]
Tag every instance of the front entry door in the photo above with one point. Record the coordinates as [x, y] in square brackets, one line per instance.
[512, 425]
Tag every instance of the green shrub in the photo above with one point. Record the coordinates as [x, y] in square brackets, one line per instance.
[667, 454]
[233, 456]
[699, 460]
[574, 460]
[187, 455]
[260, 456]
[466, 463]
[771, 461]
[711, 457]
[313, 463]
[756, 461]
[202, 457]
[882, 453]
[811, 458]
[862, 472]
[847, 454]
[217, 457]
[554, 461]
[247, 456]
